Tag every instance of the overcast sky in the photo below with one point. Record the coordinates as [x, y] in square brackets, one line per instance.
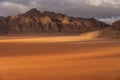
[104, 10]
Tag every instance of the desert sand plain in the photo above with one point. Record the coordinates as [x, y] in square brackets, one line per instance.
[59, 58]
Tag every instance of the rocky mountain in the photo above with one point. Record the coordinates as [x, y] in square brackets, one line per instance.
[3, 26]
[35, 21]
[113, 31]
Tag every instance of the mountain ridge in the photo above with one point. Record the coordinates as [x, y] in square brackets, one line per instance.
[34, 21]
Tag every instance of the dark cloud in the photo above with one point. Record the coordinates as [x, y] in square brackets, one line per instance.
[100, 9]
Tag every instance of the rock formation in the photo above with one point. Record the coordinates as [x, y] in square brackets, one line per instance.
[3, 26]
[113, 31]
[35, 21]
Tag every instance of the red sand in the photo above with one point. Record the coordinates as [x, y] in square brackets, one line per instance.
[81, 60]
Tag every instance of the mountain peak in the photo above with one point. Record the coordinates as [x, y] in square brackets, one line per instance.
[33, 21]
[33, 11]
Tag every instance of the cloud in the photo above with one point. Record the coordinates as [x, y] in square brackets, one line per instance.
[11, 8]
[109, 20]
[15, 6]
[102, 9]
[105, 3]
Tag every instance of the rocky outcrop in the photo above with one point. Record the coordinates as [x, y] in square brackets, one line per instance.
[116, 25]
[34, 21]
[3, 26]
[112, 32]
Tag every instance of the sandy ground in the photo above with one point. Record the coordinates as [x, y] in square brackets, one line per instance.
[59, 58]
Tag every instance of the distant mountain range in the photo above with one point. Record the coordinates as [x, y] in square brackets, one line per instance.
[35, 21]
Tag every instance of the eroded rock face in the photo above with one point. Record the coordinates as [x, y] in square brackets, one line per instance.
[34, 21]
[116, 25]
[113, 31]
[3, 26]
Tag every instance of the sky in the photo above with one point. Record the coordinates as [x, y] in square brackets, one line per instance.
[103, 10]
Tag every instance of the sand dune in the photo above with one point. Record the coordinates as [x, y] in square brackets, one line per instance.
[107, 33]
[60, 58]
[45, 39]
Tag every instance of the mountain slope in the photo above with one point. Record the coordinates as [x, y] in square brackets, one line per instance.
[3, 26]
[112, 31]
[34, 21]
